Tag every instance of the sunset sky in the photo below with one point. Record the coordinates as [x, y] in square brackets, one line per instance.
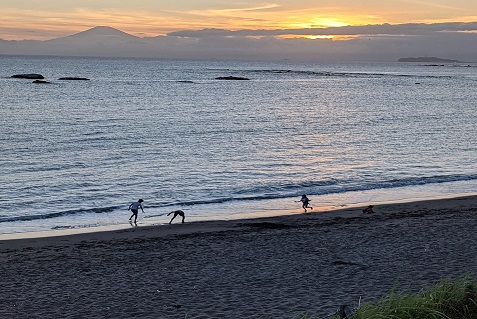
[42, 20]
[339, 30]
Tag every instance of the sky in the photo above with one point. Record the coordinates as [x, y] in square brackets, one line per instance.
[41, 20]
[244, 20]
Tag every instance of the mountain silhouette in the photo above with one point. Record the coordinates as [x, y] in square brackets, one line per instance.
[96, 35]
[97, 41]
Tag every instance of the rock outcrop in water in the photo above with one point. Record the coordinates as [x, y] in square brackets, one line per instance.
[73, 78]
[31, 76]
[231, 78]
[41, 82]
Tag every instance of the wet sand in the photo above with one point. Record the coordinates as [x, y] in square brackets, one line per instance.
[278, 267]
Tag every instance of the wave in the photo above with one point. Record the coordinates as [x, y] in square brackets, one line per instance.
[58, 214]
[317, 188]
[314, 188]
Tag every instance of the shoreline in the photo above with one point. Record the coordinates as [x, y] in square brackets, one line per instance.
[272, 267]
[122, 231]
[235, 211]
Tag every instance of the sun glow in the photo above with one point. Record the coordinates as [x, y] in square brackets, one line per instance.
[310, 37]
[318, 37]
[331, 37]
[306, 20]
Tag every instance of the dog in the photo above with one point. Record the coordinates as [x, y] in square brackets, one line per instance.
[369, 209]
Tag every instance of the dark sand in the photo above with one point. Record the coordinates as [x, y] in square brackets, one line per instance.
[280, 267]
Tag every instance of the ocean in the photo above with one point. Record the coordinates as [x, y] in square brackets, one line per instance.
[75, 154]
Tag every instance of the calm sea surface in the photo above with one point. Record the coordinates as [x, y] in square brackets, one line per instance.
[75, 154]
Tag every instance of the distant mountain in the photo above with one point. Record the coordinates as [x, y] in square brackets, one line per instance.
[97, 41]
[102, 31]
[428, 59]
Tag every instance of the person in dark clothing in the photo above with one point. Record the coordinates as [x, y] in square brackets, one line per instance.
[177, 212]
[306, 202]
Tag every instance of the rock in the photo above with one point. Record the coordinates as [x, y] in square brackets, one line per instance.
[41, 82]
[231, 78]
[74, 78]
[31, 76]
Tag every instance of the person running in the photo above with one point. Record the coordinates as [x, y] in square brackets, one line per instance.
[134, 208]
[306, 202]
[177, 212]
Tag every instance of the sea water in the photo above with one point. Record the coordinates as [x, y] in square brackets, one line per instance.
[75, 154]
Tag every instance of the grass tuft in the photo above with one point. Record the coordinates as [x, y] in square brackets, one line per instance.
[446, 300]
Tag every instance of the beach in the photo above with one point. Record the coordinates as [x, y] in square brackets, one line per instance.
[274, 267]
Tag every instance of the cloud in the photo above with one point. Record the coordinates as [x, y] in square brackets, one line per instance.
[233, 11]
[383, 42]
[381, 29]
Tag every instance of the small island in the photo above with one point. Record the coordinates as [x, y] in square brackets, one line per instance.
[428, 59]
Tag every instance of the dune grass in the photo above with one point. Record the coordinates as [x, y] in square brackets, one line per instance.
[447, 300]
